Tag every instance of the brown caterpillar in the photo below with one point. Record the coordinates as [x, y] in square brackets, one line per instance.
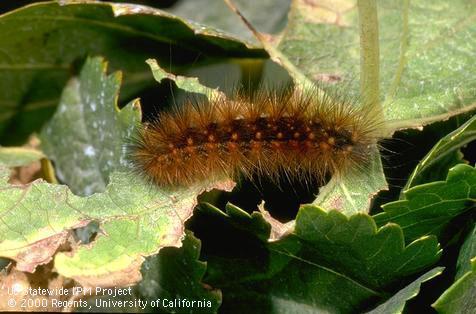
[293, 134]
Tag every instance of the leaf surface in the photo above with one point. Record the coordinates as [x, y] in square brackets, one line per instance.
[353, 192]
[459, 298]
[35, 65]
[188, 84]
[466, 254]
[332, 263]
[426, 68]
[428, 208]
[443, 155]
[177, 273]
[397, 302]
[19, 156]
[219, 15]
[86, 137]
[136, 220]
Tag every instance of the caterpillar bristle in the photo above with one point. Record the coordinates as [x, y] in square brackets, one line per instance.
[269, 133]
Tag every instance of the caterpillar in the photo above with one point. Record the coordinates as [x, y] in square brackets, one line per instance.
[293, 134]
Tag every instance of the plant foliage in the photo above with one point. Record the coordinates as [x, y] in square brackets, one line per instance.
[98, 224]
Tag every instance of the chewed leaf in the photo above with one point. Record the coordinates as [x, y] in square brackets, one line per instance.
[352, 193]
[278, 229]
[136, 220]
[189, 84]
[86, 139]
[86, 136]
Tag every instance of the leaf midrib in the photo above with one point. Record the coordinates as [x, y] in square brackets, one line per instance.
[288, 254]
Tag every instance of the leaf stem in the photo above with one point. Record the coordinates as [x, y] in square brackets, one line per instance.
[369, 54]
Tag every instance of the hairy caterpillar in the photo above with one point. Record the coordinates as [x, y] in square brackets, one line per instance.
[292, 134]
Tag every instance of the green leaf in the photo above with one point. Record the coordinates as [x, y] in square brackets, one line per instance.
[332, 263]
[397, 302]
[86, 136]
[466, 254]
[353, 192]
[377, 257]
[459, 298]
[188, 84]
[43, 42]
[136, 220]
[19, 156]
[177, 273]
[426, 67]
[443, 155]
[253, 223]
[219, 15]
[428, 208]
